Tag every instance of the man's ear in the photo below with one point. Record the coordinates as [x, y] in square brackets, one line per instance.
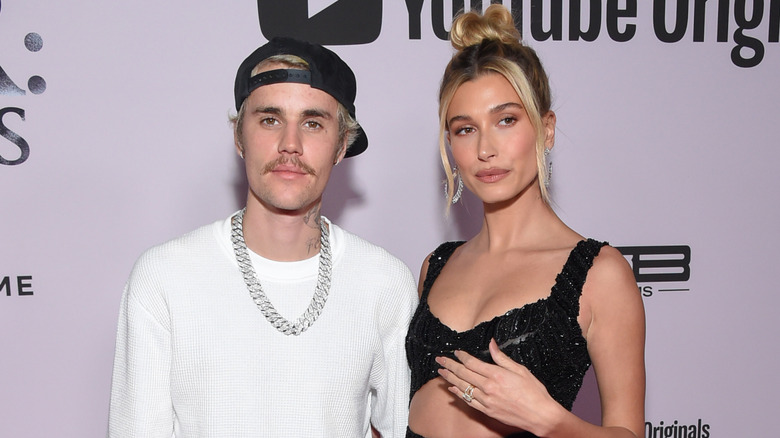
[237, 142]
[341, 152]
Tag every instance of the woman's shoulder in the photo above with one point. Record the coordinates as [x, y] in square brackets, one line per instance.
[441, 254]
[610, 264]
[438, 257]
[611, 280]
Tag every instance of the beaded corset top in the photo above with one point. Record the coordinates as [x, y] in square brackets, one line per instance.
[544, 335]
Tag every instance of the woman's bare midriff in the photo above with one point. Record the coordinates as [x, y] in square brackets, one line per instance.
[436, 412]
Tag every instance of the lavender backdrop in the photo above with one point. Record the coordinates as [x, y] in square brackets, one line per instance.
[125, 119]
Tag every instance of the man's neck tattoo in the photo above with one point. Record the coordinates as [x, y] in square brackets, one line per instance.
[312, 217]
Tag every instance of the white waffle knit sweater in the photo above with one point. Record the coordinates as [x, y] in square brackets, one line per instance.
[196, 358]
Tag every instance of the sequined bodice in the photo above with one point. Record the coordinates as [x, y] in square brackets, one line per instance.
[544, 335]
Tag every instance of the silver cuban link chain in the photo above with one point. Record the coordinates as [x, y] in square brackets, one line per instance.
[256, 291]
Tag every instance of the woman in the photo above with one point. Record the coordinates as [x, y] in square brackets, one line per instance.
[510, 320]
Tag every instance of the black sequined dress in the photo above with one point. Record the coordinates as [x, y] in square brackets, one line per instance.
[544, 335]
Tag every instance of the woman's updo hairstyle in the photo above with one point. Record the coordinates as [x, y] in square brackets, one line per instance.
[490, 43]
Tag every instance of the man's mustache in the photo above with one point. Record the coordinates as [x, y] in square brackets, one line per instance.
[287, 161]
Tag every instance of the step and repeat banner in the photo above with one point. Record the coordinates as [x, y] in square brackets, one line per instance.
[114, 137]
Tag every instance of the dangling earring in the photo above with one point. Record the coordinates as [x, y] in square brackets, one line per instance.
[549, 168]
[459, 191]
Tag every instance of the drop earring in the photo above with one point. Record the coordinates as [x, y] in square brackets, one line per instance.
[549, 167]
[459, 191]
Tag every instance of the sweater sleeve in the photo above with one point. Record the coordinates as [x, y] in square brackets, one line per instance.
[391, 376]
[141, 403]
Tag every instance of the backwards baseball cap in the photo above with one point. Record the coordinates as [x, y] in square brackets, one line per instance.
[327, 72]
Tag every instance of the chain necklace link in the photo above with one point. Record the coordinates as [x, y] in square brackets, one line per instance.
[256, 291]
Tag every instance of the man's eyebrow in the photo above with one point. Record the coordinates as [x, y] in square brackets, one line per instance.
[312, 112]
[317, 112]
[267, 110]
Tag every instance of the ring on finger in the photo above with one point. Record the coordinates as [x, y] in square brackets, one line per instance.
[468, 394]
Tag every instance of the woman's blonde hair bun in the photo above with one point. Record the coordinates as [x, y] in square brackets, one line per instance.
[472, 28]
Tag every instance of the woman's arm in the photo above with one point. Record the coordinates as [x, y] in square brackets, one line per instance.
[615, 333]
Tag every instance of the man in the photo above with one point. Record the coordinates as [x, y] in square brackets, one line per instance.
[210, 341]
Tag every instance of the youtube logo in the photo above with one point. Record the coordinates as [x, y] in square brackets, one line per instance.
[327, 22]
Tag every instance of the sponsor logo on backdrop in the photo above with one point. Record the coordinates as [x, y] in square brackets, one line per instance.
[663, 269]
[676, 429]
[335, 22]
[19, 152]
[747, 25]
[16, 286]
